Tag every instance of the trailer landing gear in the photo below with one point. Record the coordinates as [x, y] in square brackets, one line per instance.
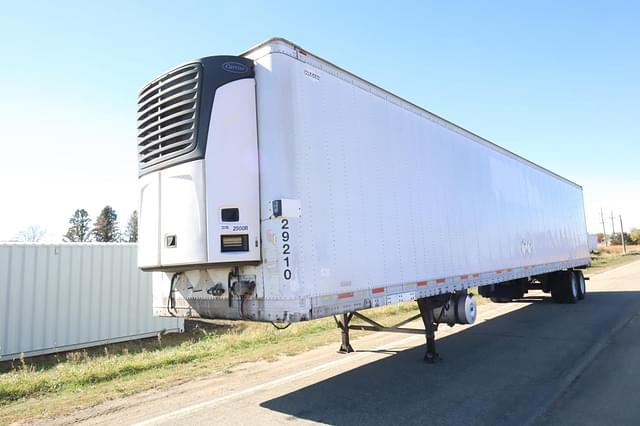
[343, 325]
[455, 308]
[426, 306]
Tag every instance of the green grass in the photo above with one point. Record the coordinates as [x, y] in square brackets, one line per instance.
[54, 385]
[611, 257]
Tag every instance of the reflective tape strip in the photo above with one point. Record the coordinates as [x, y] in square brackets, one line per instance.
[393, 293]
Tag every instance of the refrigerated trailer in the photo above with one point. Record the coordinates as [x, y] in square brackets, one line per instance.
[276, 186]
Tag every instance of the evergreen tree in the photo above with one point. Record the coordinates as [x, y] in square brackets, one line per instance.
[131, 234]
[80, 229]
[106, 229]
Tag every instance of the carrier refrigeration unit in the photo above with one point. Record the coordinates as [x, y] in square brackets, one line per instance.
[276, 186]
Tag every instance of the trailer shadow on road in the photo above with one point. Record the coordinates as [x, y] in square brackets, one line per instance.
[498, 372]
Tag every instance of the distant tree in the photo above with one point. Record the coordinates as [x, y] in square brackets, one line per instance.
[31, 234]
[80, 229]
[600, 237]
[615, 239]
[634, 236]
[131, 233]
[106, 229]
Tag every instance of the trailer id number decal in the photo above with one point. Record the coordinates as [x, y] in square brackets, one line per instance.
[312, 75]
[286, 248]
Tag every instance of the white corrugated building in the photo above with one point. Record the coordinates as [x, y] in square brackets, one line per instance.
[58, 297]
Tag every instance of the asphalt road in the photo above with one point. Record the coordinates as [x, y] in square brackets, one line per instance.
[527, 362]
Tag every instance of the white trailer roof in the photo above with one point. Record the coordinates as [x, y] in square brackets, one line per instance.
[281, 45]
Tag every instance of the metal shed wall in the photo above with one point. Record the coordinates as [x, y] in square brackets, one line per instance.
[57, 297]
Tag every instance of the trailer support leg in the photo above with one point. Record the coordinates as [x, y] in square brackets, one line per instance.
[426, 307]
[343, 325]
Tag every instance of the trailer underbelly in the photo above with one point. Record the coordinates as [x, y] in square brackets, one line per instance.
[193, 300]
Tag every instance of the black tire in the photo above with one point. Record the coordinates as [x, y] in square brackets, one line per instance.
[557, 289]
[572, 287]
[582, 289]
[564, 287]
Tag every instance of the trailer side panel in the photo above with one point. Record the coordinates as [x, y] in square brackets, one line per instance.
[390, 197]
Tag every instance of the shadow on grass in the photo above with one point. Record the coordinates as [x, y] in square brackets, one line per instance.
[498, 372]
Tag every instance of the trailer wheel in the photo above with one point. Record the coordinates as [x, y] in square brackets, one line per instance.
[572, 287]
[557, 289]
[564, 287]
[582, 289]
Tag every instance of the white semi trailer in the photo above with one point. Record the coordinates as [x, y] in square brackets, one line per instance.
[276, 186]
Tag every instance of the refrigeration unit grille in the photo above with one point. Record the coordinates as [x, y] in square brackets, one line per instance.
[167, 116]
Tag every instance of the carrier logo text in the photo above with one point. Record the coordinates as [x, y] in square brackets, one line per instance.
[235, 67]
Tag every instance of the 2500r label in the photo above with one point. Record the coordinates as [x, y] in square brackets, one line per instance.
[285, 248]
[234, 228]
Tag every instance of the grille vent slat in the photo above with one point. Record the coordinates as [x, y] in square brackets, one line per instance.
[166, 102]
[177, 108]
[166, 79]
[169, 80]
[179, 87]
[164, 130]
[177, 137]
[167, 116]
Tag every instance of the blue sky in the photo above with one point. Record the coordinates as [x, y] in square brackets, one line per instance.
[556, 82]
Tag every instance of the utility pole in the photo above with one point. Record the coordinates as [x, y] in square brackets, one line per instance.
[624, 245]
[604, 230]
[613, 226]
